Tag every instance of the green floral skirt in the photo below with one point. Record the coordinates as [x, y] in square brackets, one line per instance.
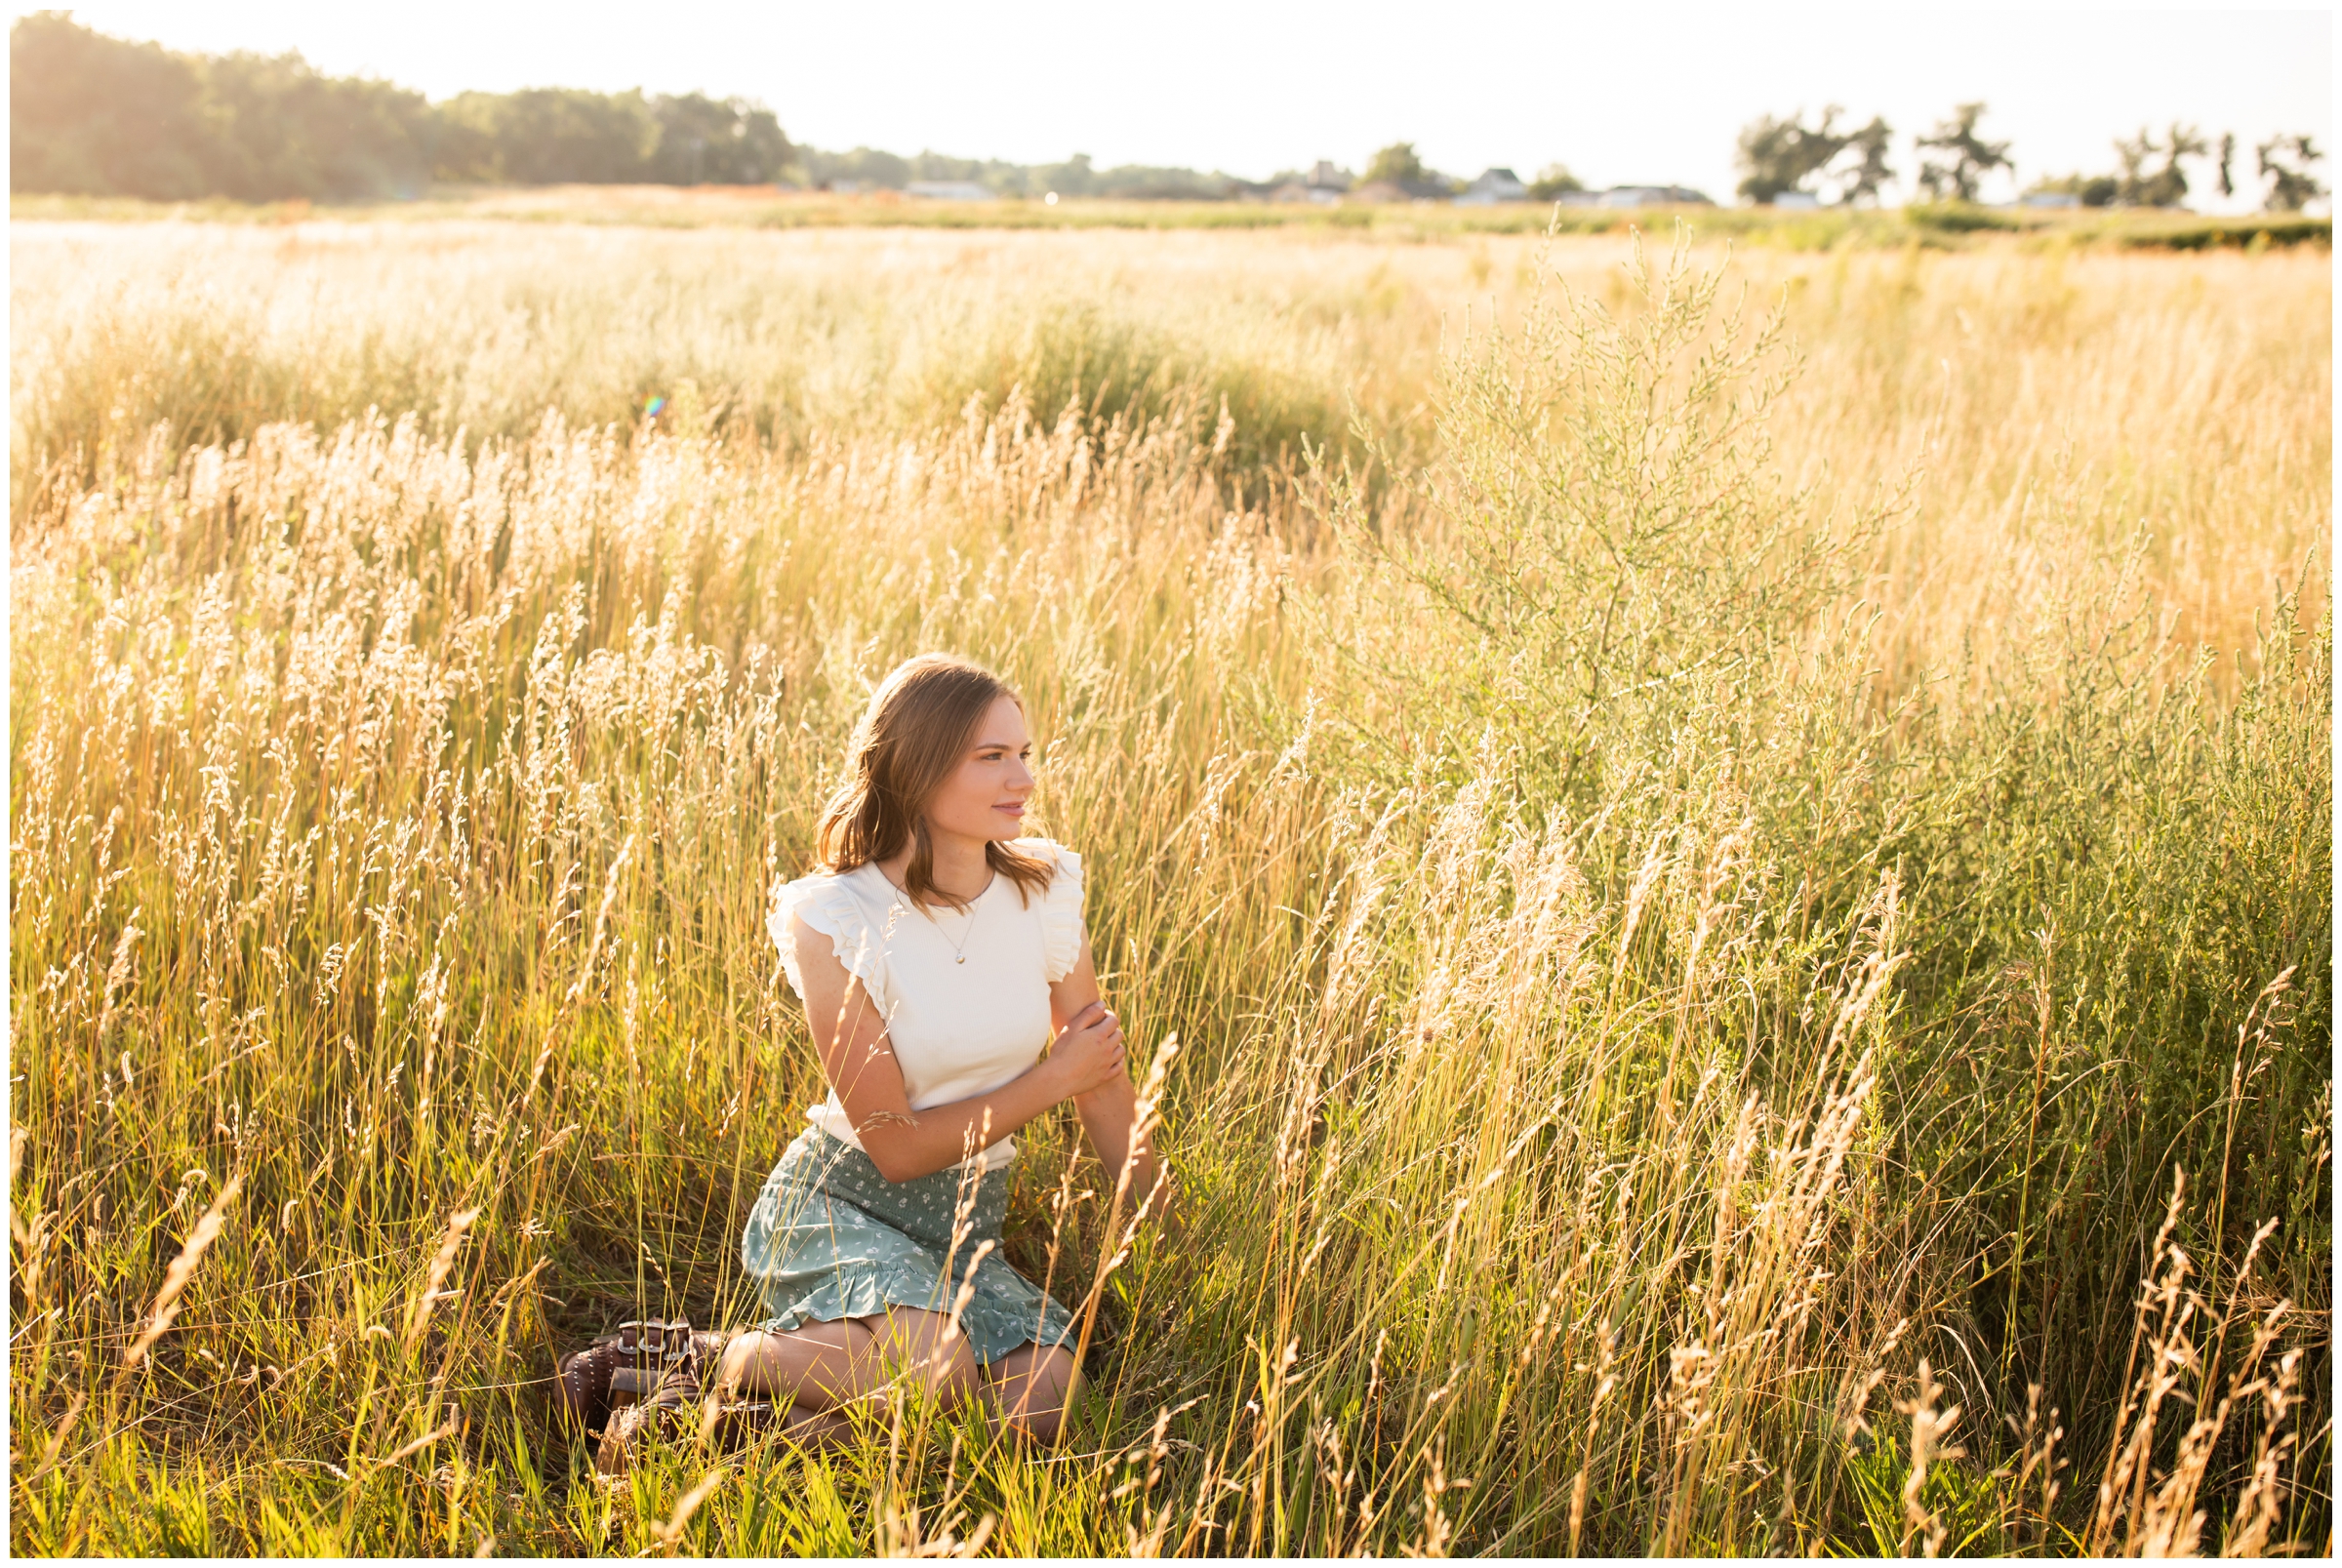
[829, 1238]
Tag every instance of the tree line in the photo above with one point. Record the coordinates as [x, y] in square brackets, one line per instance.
[94, 115]
[1781, 157]
[90, 114]
[869, 168]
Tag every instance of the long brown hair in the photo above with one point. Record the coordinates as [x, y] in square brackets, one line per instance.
[918, 726]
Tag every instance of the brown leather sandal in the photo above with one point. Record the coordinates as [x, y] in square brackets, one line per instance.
[581, 1392]
[628, 1367]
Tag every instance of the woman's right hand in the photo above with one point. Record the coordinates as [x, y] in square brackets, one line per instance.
[1087, 1053]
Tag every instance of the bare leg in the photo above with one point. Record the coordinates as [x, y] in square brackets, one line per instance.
[1030, 1387]
[815, 1363]
[823, 1366]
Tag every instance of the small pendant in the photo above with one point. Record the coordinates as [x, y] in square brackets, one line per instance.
[960, 959]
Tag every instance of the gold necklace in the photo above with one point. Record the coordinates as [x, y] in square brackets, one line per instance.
[959, 949]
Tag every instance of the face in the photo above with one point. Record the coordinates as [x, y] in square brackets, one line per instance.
[985, 796]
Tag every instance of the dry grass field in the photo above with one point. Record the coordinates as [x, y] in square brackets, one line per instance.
[1949, 225]
[1736, 852]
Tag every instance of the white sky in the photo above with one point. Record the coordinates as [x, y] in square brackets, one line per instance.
[1621, 97]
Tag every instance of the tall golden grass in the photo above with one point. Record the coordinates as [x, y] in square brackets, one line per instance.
[2181, 397]
[1748, 950]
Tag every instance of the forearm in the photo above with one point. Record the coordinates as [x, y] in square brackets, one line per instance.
[1110, 1114]
[905, 1148]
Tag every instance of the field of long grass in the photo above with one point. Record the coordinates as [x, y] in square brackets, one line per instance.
[1725, 862]
[1940, 226]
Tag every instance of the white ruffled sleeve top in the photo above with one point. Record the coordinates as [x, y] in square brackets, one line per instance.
[965, 996]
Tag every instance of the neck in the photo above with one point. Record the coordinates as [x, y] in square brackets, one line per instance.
[959, 867]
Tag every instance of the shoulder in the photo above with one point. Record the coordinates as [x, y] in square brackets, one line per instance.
[820, 885]
[823, 892]
[1050, 853]
[1060, 907]
[841, 905]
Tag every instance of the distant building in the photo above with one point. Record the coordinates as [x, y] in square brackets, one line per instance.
[1654, 196]
[1796, 201]
[1378, 191]
[948, 190]
[2049, 198]
[1493, 185]
[1324, 186]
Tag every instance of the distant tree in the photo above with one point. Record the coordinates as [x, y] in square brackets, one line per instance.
[2134, 185]
[1398, 165]
[928, 164]
[1864, 183]
[1553, 182]
[1779, 156]
[1334, 176]
[2165, 184]
[2285, 163]
[1138, 181]
[1072, 177]
[102, 116]
[2168, 185]
[1763, 157]
[92, 115]
[1961, 174]
[281, 128]
[2091, 190]
[1077, 176]
[2228, 159]
[717, 141]
[863, 165]
[548, 136]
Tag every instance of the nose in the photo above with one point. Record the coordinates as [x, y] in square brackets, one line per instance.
[1020, 777]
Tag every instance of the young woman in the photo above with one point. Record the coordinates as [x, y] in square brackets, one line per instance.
[937, 952]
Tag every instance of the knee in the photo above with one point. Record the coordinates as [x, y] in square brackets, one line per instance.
[1039, 1422]
[949, 1369]
[742, 1364]
[939, 1359]
[1036, 1400]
